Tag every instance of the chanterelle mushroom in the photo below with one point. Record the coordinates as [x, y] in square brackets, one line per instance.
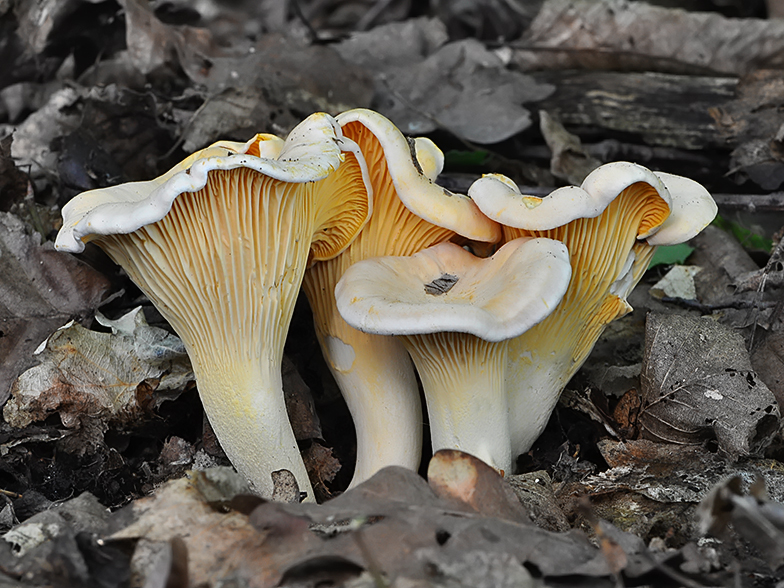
[455, 312]
[410, 213]
[220, 244]
[611, 225]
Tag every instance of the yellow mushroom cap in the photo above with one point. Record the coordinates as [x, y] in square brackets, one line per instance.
[312, 151]
[500, 198]
[414, 183]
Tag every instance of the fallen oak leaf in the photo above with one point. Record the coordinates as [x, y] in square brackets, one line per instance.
[462, 479]
[698, 383]
[91, 379]
[40, 290]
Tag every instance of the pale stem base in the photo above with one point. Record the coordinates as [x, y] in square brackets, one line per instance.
[245, 405]
[377, 380]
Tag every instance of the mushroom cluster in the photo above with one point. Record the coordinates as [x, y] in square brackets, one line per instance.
[347, 208]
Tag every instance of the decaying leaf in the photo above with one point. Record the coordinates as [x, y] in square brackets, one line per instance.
[91, 379]
[753, 516]
[535, 492]
[768, 359]
[278, 542]
[615, 34]
[461, 478]
[38, 20]
[677, 283]
[272, 88]
[33, 137]
[45, 549]
[40, 290]
[752, 122]
[490, 20]
[218, 543]
[568, 161]
[152, 44]
[299, 404]
[14, 184]
[698, 384]
[322, 468]
[460, 86]
[653, 486]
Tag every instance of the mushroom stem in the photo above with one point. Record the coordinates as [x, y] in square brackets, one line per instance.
[377, 380]
[463, 378]
[245, 405]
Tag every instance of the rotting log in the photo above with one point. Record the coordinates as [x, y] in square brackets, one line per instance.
[665, 109]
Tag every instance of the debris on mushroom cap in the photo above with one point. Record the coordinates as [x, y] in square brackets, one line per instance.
[627, 211]
[428, 157]
[374, 373]
[220, 246]
[457, 311]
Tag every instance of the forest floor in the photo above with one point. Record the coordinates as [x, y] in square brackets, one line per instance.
[110, 474]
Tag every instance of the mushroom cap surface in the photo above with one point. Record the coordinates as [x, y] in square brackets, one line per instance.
[500, 198]
[691, 206]
[414, 184]
[446, 288]
[692, 210]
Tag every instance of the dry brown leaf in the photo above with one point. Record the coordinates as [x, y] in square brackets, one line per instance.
[568, 161]
[752, 122]
[461, 86]
[754, 518]
[14, 184]
[40, 290]
[698, 384]
[153, 44]
[322, 468]
[39, 19]
[467, 481]
[272, 88]
[92, 379]
[219, 544]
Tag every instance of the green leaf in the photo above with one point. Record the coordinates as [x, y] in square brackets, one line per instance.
[749, 239]
[455, 158]
[671, 254]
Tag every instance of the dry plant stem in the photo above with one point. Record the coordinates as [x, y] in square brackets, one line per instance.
[463, 381]
[607, 261]
[234, 335]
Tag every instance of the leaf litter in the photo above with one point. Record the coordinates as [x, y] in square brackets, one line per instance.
[150, 81]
